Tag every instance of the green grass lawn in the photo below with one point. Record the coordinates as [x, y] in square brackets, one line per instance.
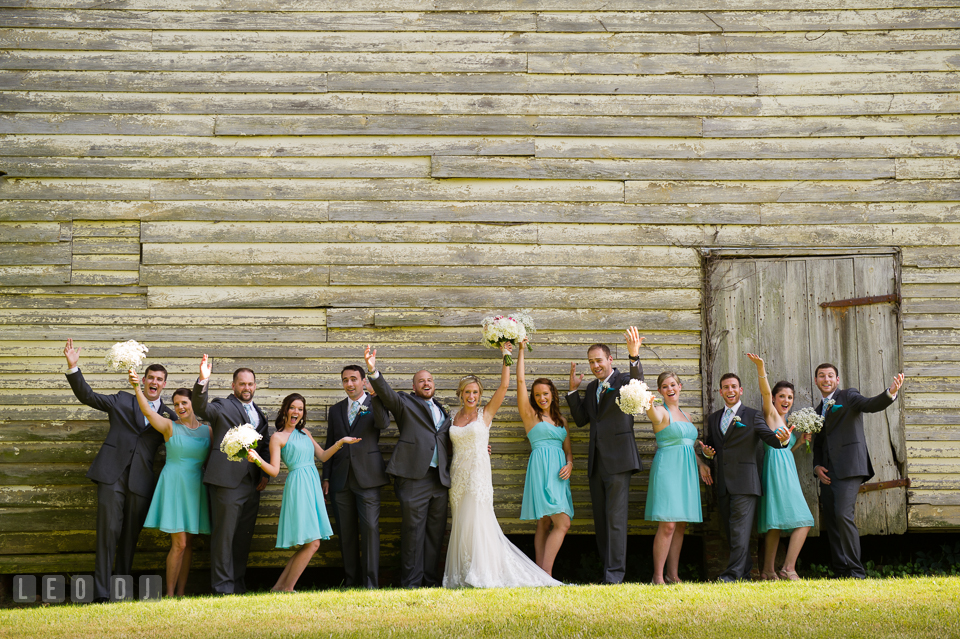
[921, 607]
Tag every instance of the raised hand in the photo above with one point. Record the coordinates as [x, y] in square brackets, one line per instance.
[756, 359]
[575, 377]
[72, 354]
[370, 355]
[206, 367]
[897, 383]
[133, 378]
[634, 341]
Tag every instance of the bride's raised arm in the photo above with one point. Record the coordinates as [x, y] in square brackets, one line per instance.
[494, 404]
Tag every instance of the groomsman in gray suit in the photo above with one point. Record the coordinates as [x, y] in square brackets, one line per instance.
[613, 456]
[735, 437]
[420, 465]
[122, 469]
[354, 475]
[234, 487]
[842, 463]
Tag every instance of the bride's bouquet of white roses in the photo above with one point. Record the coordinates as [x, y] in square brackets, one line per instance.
[238, 441]
[635, 398]
[126, 355]
[503, 329]
[805, 420]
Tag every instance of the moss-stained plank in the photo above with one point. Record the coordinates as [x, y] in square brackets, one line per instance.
[34, 275]
[931, 517]
[830, 41]
[159, 82]
[784, 191]
[741, 63]
[547, 212]
[379, 297]
[542, 82]
[44, 253]
[99, 124]
[389, 189]
[173, 319]
[275, 21]
[412, 254]
[389, 124]
[237, 168]
[264, 147]
[454, 104]
[438, 42]
[650, 169]
[745, 148]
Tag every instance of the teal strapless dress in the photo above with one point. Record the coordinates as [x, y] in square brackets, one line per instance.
[782, 506]
[180, 501]
[674, 490]
[303, 515]
[544, 493]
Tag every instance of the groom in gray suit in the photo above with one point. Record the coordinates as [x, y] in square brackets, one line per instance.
[842, 463]
[122, 469]
[420, 465]
[234, 486]
[613, 456]
[354, 475]
[733, 436]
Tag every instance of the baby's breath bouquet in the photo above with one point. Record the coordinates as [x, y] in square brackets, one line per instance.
[238, 441]
[126, 355]
[635, 398]
[501, 329]
[805, 420]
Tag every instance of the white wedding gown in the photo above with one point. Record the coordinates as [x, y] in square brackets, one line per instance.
[479, 555]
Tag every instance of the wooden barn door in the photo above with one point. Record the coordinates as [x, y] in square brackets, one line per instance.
[798, 312]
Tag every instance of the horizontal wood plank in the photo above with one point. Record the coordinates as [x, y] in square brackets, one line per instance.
[811, 191]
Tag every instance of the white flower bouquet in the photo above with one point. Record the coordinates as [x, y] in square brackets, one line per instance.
[503, 329]
[126, 355]
[805, 420]
[238, 441]
[635, 398]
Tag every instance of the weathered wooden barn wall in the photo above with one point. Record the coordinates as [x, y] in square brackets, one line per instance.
[278, 182]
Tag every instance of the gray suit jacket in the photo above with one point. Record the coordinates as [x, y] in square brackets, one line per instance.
[841, 446]
[418, 435]
[129, 443]
[739, 458]
[611, 431]
[364, 457]
[223, 414]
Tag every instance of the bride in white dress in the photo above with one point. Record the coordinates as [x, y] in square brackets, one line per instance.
[479, 555]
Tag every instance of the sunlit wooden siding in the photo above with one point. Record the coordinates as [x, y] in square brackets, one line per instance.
[278, 183]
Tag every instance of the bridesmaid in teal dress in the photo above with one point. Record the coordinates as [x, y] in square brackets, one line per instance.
[782, 506]
[303, 514]
[546, 489]
[179, 504]
[673, 494]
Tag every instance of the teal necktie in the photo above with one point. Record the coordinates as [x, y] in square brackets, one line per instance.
[725, 421]
[354, 410]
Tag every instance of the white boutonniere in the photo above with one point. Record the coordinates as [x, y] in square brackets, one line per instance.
[363, 410]
[605, 387]
[737, 422]
[830, 403]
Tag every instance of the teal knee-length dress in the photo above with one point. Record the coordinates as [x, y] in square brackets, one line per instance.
[180, 501]
[303, 515]
[674, 490]
[544, 493]
[782, 506]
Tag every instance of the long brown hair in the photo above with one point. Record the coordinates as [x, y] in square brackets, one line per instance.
[282, 415]
[554, 410]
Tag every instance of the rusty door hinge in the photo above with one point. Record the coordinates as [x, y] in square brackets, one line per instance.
[863, 301]
[883, 485]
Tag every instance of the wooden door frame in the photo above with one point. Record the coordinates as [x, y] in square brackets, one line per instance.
[710, 257]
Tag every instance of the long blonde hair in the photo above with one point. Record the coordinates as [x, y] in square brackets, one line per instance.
[466, 381]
